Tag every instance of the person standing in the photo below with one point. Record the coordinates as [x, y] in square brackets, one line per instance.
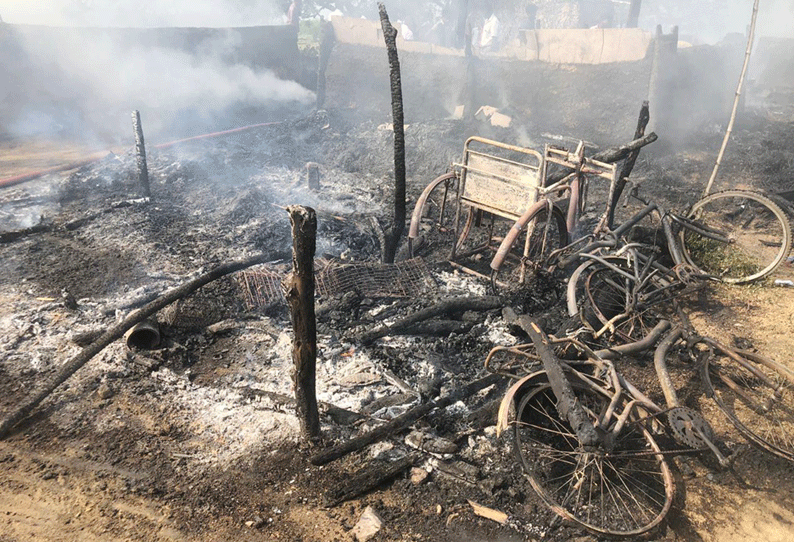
[294, 13]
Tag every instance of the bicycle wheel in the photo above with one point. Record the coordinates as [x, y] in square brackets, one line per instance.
[433, 218]
[624, 491]
[757, 230]
[545, 236]
[612, 297]
[757, 396]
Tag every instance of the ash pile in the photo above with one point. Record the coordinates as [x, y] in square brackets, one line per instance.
[209, 385]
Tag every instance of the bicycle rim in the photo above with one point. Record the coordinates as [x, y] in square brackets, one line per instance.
[759, 401]
[759, 233]
[631, 309]
[623, 493]
[546, 236]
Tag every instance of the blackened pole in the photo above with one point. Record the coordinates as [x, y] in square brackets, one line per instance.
[140, 154]
[628, 165]
[299, 290]
[396, 231]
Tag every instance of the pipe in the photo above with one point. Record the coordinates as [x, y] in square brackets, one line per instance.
[33, 175]
[145, 335]
[215, 134]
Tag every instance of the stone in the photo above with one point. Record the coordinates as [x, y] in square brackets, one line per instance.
[500, 120]
[369, 524]
[418, 475]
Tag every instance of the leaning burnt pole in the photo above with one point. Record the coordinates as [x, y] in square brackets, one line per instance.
[299, 291]
[140, 154]
[392, 237]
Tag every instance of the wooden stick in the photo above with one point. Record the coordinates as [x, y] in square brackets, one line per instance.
[747, 52]
[456, 304]
[117, 331]
[299, 292]
[403, 421]
[369, 478]
[628, 165]
[567, 405]
[140, 154]
[398, 225]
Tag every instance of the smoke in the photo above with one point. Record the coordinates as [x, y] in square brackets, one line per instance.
[709, 21]
[132, 13]
[63, 81]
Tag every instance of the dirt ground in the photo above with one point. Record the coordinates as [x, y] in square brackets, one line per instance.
[175, 444]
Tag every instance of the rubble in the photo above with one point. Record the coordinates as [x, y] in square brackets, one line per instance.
[369, 524]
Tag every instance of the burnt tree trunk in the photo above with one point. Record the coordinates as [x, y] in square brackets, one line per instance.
[628, 165]
[299, 291]
[398, 225]
[140, 154]
[634, 14]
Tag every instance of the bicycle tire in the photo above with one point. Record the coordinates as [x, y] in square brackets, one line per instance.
[546, 237]
[629, 490]
[433, 219]
[758, 229]
[759, 402]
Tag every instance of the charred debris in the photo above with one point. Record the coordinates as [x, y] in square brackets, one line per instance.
[290, 233]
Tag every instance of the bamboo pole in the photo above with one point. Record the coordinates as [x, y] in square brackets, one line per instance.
[749, 49]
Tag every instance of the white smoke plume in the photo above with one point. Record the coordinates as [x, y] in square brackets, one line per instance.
[133, 13]
[74, 81]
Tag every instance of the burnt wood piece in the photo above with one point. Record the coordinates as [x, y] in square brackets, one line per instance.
[568, 407]
[116, 332]
[140, 154]
[299, 293]
[371, 477]
[450, 306]
[610, 156]
[398, 225]
[628, 165]
[403, 421]
[438, 328]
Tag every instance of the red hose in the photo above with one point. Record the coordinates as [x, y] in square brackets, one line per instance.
[31, 175]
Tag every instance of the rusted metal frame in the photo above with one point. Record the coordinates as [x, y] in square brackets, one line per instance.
[741, 361]
[660, 364]
[465, 167]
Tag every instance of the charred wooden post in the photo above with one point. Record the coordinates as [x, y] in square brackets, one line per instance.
[628, 165]
[634, 14]
[299, 292]
[327, 39]
[396, 231]
[140, 154]
[313, 175]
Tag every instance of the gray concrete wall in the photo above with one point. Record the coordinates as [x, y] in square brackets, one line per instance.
[599, 102]
[559, 81]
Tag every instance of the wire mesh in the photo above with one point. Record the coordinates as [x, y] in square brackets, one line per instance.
[261, 286]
